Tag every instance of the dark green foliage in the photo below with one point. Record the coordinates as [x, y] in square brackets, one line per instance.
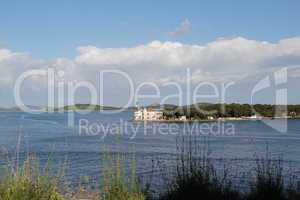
[196, 177]
[203, 110]
[268, 181]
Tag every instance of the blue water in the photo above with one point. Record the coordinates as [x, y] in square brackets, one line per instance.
[49, 136]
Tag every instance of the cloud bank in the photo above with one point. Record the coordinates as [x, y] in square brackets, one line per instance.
[220, 60]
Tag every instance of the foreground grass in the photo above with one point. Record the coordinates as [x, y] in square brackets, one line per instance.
[26, 183]
[117, 185]
[195, 178]
[269, 182]
[30, 183]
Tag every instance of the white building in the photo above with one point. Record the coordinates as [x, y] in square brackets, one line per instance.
[255, 117]
[210, 118]
[145, 114]
[182, 118]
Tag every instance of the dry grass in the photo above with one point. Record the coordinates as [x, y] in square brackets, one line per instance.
[27, 183]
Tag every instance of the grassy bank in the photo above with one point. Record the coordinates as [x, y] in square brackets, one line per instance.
[195, 177]
[28, 183]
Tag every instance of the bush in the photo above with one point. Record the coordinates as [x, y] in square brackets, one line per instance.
[269, 181]
[196, 177]
[26, 183]
[117, 186]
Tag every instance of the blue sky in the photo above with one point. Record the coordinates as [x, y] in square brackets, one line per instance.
[50, 29]
[152, 41]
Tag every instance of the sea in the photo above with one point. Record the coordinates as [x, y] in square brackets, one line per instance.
[80, 142]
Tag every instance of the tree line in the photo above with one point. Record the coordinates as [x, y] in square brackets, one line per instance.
[205, 110]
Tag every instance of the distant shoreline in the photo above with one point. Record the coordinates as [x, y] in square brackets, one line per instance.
[215, 120]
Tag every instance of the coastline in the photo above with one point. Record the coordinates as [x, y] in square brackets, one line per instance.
[215, 120]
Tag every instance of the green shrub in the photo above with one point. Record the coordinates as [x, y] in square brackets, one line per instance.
[196, 177]
[26, 183]
[117, 185]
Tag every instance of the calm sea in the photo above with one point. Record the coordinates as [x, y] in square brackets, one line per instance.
[82, 147]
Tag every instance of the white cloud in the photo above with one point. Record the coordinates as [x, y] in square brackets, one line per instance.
[183, 28]
[12, 64]
[220, 60]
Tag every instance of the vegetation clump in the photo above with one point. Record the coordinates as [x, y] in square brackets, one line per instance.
[204, 110]
[27, 183]
[196, 178]
[117, 184]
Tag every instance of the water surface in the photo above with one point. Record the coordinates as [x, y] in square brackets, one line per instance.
[48, 135]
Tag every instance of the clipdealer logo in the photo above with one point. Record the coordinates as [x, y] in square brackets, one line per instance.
[280, 78]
